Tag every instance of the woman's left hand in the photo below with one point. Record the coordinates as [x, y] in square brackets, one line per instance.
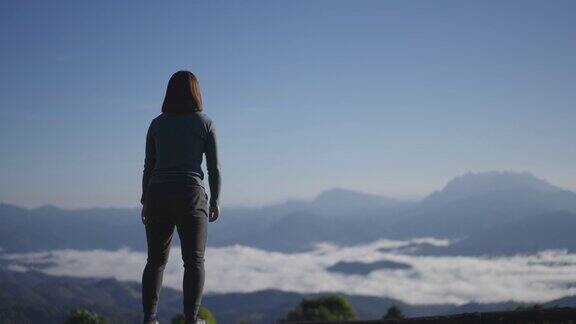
[143, 215]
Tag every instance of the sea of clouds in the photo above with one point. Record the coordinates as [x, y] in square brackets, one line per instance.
[429, 279]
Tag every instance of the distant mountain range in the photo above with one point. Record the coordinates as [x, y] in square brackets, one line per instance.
[479, 184]
[489, 213]
[33, 297]
[494, 213]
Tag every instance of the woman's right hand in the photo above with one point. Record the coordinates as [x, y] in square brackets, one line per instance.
[214, 213]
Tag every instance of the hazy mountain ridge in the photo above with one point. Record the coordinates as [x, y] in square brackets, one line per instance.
[548, 231]
[469, 207]
[54, 228]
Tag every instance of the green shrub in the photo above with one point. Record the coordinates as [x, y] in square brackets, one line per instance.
[206, 315]
[326, 308]
[394, 312]
[83, 316]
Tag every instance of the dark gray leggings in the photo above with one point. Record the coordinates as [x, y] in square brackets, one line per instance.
[183, 205]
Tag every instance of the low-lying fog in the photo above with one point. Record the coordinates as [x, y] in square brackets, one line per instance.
[385, 269]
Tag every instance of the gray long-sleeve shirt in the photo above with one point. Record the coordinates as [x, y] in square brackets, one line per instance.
[175, 144]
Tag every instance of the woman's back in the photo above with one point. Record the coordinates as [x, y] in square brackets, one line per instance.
[175, 144]
[180, 141]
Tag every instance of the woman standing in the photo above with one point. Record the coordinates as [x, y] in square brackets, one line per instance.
[173, 192]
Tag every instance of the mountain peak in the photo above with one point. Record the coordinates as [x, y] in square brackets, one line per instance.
[474, 184]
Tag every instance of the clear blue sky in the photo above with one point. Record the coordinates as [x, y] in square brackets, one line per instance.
[388, 97]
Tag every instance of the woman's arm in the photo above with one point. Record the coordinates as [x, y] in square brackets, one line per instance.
[149, 161]
[213, 166]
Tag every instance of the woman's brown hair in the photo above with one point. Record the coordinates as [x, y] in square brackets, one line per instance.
[182, 94]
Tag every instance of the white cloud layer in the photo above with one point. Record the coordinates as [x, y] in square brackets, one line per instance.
[432, 279]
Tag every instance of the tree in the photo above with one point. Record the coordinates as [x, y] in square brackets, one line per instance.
[203, 313]
[394, 312]
[83, 316]
[328, 308]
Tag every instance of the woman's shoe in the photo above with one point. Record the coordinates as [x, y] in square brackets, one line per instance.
[198, 321]
[151, 322]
